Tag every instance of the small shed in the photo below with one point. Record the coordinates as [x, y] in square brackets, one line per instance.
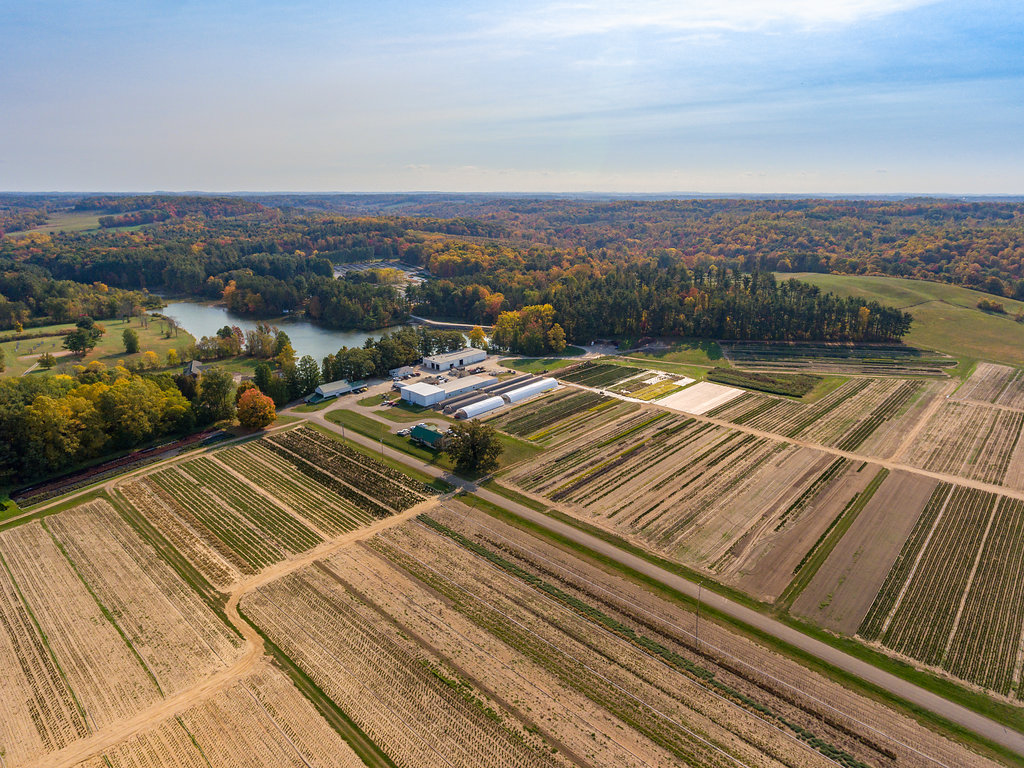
[428, 435]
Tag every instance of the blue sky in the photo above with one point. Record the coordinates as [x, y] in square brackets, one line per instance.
[731, 96]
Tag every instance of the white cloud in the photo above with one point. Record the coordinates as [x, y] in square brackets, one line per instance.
[586, 17]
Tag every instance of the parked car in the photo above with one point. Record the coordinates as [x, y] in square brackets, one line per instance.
[404, 432]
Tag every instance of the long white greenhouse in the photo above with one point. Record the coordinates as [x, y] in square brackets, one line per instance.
[481, 406]
[529, 390]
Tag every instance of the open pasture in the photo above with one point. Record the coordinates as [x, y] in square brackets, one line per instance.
[954, 598]
[972, 440]
[94, 628]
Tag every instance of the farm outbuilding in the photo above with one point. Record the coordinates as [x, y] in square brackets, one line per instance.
[430, 394]
[429, 435]
[422, 393]
[481, 406]
[457, 359]
[529, 390]
[335, 389]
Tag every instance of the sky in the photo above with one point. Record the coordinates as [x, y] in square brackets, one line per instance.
[651, 96]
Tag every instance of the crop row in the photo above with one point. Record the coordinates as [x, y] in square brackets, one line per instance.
[202, 505]
[562, 644]
[674, 483]
[986, 383]
[870, 732]
[526, 420]
[173, 632]
[410, 710]
[108, 680]
[328, 511]
[293, 535]
[970, 440]
[38, 710]
[370, 477]
[793, 384]
[148, 503]
[955, 596]
[648, 642]
[597, 374]
[846, 417]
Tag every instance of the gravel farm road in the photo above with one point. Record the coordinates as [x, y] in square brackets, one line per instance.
[910, 692]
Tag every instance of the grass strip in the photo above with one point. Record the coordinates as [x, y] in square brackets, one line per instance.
[818, 554]
[1004, 714]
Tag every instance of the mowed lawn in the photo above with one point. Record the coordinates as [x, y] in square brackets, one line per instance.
[20, 355]
[946, 317]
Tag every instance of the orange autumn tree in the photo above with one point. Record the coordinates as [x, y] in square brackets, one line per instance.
[255, 410]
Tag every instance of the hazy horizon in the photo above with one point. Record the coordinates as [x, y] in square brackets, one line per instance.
[726, 97]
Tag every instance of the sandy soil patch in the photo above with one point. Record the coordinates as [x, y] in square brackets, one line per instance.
[700, 398]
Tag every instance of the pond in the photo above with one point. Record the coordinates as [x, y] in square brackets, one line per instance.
[307, 339]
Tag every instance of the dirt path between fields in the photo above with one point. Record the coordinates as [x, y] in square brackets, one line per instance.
[105, 738]
[940, 397]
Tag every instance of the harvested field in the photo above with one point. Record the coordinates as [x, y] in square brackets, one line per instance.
[596, 375]
[101, 668]
[971, 440]
[765, 570]
[260, 722]
[176, 636]
[842, 591]
[531, 655]
[954, 598]
[704, 494]
[700, 398]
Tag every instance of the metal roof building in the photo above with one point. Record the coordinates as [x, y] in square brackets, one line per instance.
[457, 359]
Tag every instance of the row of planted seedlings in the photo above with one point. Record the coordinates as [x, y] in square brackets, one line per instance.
[315, 502]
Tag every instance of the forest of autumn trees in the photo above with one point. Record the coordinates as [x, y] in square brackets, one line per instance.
[623, 268]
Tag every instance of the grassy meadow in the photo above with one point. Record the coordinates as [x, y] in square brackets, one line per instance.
[946, 317]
